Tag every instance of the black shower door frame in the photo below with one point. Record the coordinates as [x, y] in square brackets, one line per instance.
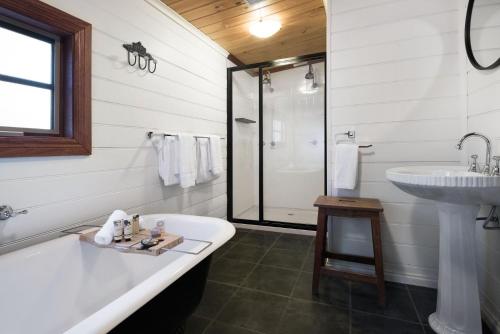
[260, 66]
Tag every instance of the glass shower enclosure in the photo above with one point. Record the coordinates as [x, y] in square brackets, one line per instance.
[276, 146]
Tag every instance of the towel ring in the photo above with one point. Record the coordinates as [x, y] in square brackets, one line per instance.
[468, 44]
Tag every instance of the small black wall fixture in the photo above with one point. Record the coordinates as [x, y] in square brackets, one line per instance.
[139, 52]
[468, 45]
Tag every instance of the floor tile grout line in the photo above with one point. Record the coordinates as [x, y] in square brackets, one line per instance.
[300, 269]
[237, 288]
[387, 317]
[267, 265]
[285, 296]
[415, 309]
[318, 302]
[240, 287]
[350, 307]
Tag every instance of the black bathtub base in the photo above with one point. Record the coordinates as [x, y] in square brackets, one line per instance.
[168, 311]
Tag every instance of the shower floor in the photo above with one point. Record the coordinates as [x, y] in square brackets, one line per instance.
[287, 215]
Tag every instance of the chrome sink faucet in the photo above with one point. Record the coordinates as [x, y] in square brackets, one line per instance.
[487, 163]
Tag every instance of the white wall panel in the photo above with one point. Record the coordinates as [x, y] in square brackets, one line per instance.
[397, 80]
[187, 93]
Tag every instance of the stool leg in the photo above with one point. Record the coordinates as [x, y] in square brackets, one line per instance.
[319, 248]
[379, 263]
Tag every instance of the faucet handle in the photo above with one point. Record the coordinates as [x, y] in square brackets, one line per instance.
[473, 165]
[7, 212]
[496, 169]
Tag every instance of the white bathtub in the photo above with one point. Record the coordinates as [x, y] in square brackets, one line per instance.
[65, 285]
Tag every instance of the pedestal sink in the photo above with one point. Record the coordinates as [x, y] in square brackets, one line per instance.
[458, 195]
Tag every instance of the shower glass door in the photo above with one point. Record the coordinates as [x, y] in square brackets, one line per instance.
[245, 144]
[276, 148]
[293, 141]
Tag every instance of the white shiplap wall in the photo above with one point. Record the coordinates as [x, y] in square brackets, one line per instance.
[400, 78]
[396, 78]
[483, 115]
[186, 94]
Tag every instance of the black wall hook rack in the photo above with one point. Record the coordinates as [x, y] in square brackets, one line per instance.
[139, 52]
[468, 44]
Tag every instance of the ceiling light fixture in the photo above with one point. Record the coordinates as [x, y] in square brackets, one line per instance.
[264, 28]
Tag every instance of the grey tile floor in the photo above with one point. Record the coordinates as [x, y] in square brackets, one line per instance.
[260, 283]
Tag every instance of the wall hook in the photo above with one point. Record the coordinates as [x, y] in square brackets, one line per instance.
[139, 51]
[149, 65]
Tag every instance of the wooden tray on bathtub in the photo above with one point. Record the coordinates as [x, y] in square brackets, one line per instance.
[133, 246]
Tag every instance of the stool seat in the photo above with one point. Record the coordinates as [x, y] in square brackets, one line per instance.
[349, 203]
[349, 207]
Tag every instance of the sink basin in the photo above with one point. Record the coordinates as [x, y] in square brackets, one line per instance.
[451, 184]
[458, 195]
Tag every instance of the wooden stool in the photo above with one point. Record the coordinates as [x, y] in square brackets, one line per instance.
[349, 207]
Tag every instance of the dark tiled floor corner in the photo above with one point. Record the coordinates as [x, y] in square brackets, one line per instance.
[260, 283]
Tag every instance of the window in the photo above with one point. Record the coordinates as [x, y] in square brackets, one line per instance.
[27, 86]
[44, 81]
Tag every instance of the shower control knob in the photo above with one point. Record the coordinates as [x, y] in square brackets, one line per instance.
[496, 169]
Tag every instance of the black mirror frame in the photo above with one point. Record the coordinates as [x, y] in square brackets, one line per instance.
[468, 44]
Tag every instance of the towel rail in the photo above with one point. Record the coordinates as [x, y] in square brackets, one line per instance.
[352, 135]
[150, 134]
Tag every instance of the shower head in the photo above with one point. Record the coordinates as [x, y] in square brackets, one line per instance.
[310, 73]
[266, 80]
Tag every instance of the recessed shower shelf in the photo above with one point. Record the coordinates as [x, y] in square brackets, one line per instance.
[244, 120]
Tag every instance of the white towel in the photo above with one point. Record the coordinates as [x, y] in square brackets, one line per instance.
[203, 173]
[168, 159]
[215, 157]
[346, 166]
[106, 233]
[187, 160]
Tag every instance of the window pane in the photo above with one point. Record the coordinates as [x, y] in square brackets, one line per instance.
[25, 106]
[27, 57]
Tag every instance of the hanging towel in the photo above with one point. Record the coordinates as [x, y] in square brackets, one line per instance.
[346, 166]
[187, 160]
[106, 233]
[168, 160]
[215, 157]
[203, 173]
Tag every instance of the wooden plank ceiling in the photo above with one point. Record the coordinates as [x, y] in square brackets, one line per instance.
[227, 22]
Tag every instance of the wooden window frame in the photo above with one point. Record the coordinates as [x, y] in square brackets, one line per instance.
[74, 78]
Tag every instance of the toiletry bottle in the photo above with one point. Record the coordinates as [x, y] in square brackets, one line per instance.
[135, 224]
[118, 232]
[127, 230]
